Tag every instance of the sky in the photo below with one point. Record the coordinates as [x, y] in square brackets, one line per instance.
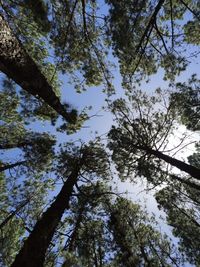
[102, 122]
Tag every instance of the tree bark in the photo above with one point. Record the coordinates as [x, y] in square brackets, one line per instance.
[33, 251]
[21, 68]
[191, 170]
[10, 166]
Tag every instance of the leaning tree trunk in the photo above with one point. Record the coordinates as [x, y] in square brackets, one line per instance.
[33, 251]
[21, 68]
[191, 170]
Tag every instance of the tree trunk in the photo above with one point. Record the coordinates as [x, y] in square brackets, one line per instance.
[191, 170]
[183, 180]
[21, 68]
[190, 183]
[10, 166]
[33, 251]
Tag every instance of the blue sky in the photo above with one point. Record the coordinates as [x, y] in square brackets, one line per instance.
[102, 123]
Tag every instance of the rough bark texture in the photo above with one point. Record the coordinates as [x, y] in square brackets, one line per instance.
[33, 252]
[191, 170]
[21, 68]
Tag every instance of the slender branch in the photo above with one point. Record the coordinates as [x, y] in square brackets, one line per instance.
[11, 166]
[172, 23]
[161, 37]
[150, 24]
[192, 11]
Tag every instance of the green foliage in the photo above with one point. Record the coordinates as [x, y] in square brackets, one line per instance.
[39, 10]
[92, 158]
[145, 35]
[11, 233]
[194, 159]
[192, 33]
[23, 105]
[181, 205]
[79, 120]
[186, 101]
[142, 124]
[138, 243]
[37, 148]
[75, 39]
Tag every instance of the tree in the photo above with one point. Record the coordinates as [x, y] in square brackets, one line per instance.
[141, 137]
[125, 236]
[34, 248]
[20, 67]
[37, 148]
[24, 198]
[186, 101]
[44, 39]
[146, 35]
[181, 205]
[85, 246]
[138, 243]
[80, 37]
[10, 235]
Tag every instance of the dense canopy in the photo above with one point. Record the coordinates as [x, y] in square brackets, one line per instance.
[64, 164]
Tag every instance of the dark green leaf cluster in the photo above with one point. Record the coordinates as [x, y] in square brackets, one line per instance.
[186, 101]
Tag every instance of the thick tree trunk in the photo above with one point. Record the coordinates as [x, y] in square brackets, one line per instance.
[10, 166]
[33, 252]
[191, 170]
[20, 67]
